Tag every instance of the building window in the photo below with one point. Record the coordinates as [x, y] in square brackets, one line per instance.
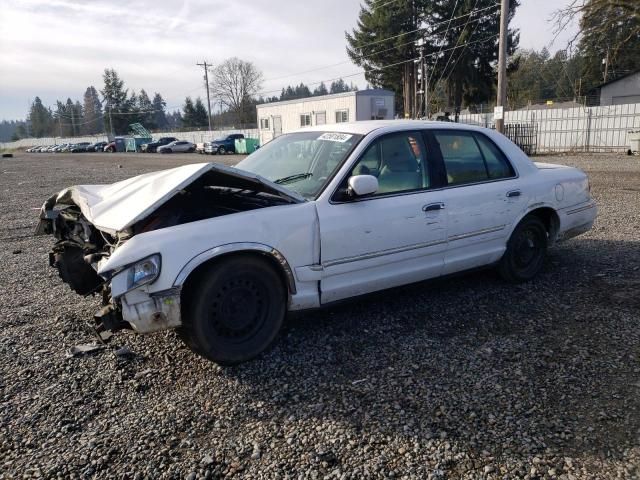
[305, 120]
[342, 116]
[264, 124]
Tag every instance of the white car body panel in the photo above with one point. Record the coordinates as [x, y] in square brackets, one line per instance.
[333, 250]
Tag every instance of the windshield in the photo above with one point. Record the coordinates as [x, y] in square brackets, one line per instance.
[303, 161]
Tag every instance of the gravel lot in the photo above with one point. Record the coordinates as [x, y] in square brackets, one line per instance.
[466, 377]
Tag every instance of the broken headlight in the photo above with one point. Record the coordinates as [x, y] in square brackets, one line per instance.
[144, 272]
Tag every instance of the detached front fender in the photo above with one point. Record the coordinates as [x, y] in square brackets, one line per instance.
[207, 255]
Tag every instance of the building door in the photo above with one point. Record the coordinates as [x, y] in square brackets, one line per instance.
[321, 118]
[277, 126]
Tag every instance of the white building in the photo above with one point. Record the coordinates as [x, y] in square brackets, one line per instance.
[282, 117]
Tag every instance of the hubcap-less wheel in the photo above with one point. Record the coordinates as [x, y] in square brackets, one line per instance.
[525, 252]
[221, 151]
[234, 310]
[239, 309]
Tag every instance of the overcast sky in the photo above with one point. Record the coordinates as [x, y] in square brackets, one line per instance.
[56, 48]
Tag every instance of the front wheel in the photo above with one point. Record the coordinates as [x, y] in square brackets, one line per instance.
[221, 151]
[235, 311]
[526, 251]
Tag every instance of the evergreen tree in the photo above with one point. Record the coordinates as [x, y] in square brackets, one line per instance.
[368, 47]
[145, 107]
[200, 116]
[461, 45]
[610, 29]
[116, 102]
[466, 50]
[159, 114]
[188, 113]
[93, 121]
[320, 90]
[174, 120]
[339, 86]
[40, 118]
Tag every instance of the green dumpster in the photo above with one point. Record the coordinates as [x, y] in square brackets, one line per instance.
[252, 144]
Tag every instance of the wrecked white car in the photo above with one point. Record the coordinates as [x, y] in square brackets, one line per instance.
[313, 217]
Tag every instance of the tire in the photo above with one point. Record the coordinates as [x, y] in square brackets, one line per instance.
[191, 150]
[166, 150]
[221, 151]
[526, 251]
[234, 311]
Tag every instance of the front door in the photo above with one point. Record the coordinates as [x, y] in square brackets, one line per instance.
[393, 237]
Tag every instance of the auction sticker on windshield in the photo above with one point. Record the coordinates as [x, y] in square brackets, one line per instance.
[335, 137]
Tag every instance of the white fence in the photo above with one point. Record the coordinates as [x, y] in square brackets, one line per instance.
[586, 129]
[195, 137]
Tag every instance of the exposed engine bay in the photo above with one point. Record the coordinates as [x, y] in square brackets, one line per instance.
[80, 246]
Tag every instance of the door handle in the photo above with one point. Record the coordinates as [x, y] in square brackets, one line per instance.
[433, 207]
[514, 193]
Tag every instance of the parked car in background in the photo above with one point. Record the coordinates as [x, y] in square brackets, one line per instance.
[61, 148]
[79, 147]
[223, 145]
[97, 147]
[315, 216]
[110, 147]
[152, 147]
[179, 146]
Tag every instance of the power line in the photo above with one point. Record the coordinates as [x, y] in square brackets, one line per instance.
[364, 56]
[461, 53]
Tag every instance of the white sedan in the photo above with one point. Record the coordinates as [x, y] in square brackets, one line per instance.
[179, 146]
[313, 217]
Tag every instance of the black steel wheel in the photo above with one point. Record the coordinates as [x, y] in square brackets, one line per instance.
[526, 251]
[235, 310]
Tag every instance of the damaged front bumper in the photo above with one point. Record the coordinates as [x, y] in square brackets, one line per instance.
[148, 313]
[140, 312]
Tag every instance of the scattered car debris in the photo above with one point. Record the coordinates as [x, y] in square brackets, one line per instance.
[79, 350]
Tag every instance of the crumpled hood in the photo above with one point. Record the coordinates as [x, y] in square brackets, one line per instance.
[113, 208]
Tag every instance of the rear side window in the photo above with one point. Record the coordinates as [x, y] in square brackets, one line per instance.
[497, 164]
[470, 158]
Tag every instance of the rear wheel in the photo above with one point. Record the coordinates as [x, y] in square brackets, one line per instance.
[526, 251]
[235, 311]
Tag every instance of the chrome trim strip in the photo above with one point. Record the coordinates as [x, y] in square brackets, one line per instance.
[581, 209]
[381, 253]
[476, 233]
[237, 247]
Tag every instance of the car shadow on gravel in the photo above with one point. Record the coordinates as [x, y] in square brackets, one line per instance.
[512, 370]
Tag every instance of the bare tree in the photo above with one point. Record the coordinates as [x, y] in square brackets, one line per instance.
[598, 17]
[235, 82]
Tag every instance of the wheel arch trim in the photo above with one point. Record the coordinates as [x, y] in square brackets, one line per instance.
[535, 208]
[249, 247]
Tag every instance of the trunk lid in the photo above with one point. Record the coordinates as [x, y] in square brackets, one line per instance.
[113, 208]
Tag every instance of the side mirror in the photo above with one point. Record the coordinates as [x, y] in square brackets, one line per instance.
[361, 185]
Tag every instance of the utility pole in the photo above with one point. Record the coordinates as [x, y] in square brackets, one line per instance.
[206, 80]
[502, 63]
[110, 121]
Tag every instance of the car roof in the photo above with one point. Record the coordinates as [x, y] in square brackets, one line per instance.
[368, 126]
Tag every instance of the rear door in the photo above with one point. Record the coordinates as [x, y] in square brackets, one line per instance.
[483, 197]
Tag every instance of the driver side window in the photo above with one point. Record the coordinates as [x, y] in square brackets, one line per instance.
[398, 161]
